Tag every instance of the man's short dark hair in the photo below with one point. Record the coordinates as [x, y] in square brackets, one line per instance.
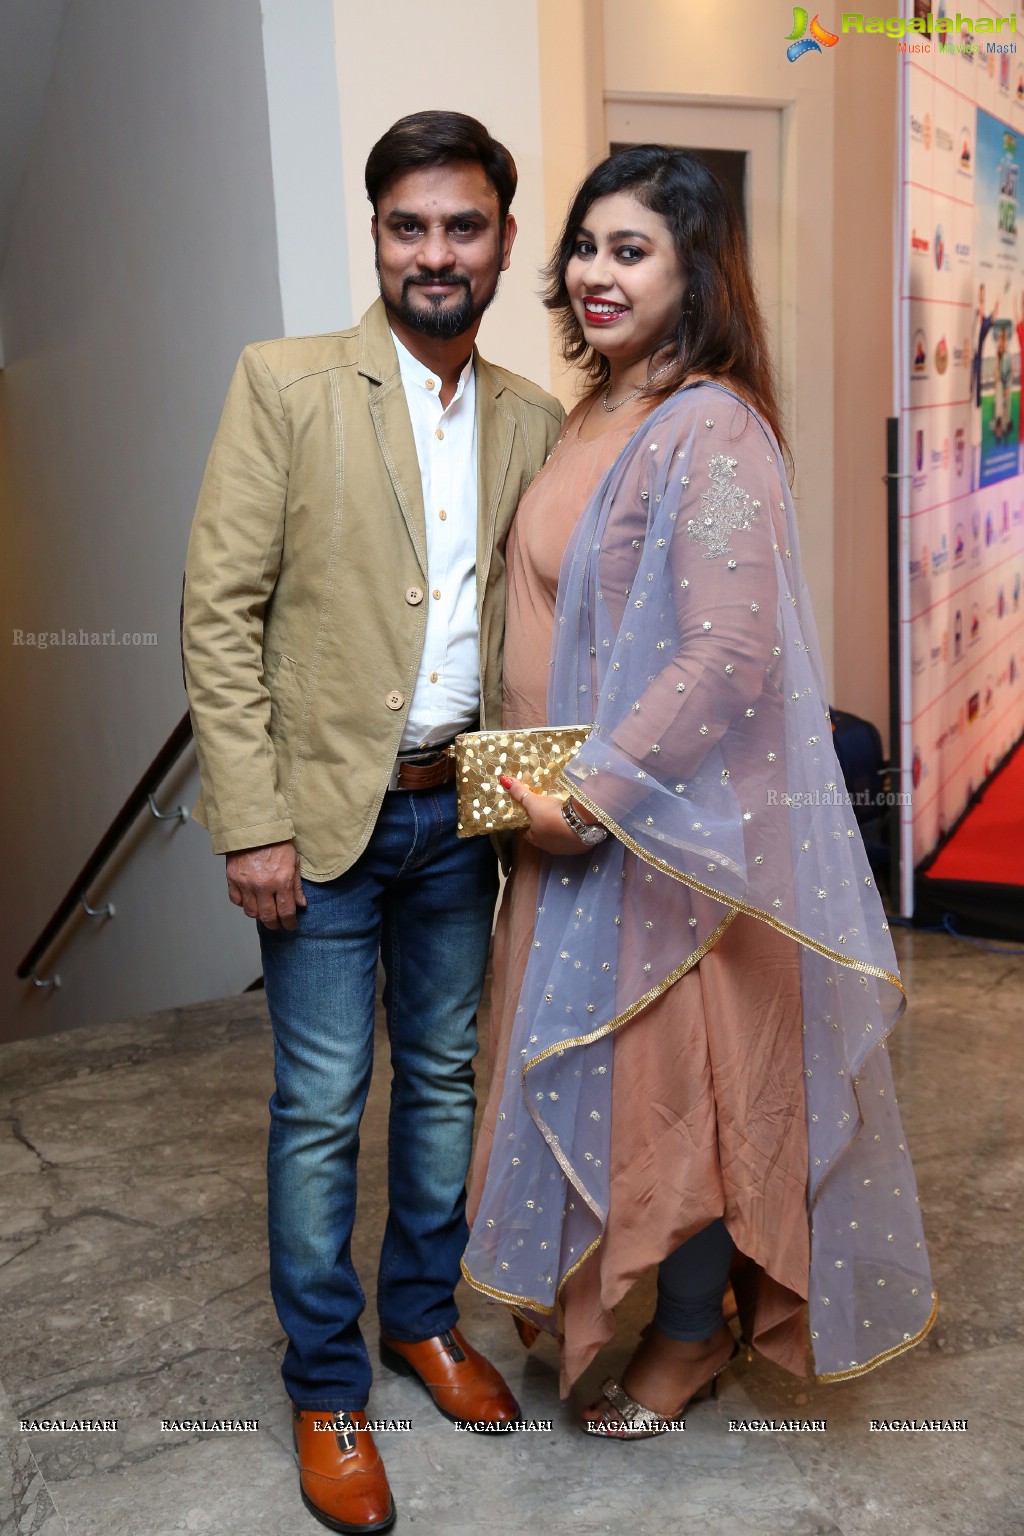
[426, 139]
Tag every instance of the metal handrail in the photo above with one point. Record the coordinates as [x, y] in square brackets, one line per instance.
[77, 895]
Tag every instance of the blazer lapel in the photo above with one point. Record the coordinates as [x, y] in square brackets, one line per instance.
[496, 430]
[378, 362]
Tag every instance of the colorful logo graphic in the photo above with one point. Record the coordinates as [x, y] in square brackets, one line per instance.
[919, 357]
[966, 156]
[799, 44]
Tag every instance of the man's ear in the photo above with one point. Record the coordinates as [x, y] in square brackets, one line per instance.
[373, 229]
[508, 239]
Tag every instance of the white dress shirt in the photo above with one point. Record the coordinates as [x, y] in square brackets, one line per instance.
[446, 697]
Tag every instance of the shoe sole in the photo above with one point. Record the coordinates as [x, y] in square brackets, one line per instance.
[398, 1363]
[346, 1526]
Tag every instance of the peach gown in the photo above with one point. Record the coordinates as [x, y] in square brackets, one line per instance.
[707, 1094]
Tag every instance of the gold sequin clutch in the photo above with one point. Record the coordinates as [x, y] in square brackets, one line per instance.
[536, 756]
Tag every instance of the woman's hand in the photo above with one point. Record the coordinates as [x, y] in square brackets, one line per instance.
[547, 829]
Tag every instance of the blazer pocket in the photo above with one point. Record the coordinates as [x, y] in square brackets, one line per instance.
[281, 675]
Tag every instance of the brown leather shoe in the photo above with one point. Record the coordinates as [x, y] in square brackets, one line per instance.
[465, 1387]
[341, 1475]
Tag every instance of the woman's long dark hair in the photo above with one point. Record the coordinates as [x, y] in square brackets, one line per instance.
[720, 330]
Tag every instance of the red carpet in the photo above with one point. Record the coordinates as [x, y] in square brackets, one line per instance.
[977, 877]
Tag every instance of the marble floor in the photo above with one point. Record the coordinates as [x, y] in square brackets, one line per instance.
[133, 1286]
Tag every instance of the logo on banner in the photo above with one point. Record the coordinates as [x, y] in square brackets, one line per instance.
[990, 530]
[919, 478]
[1000, 603]
[918, 244]
[959, 450]
[940, 557]
[799, 43]
[975, 633]
[915, 768]
[1004, 73]
[938, 458]
[959, 545]
[958, 636]
[919, 355]
[965, 159]
[1016, 592]
[973, 705]
[1013, 670]
[919, 567]
[942, 262]
[943, 140]
[962, 251]
[942, 351]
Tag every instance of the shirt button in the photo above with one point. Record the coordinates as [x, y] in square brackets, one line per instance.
[414, 595]
[440, 432]
[394, 700]
[433, 677]
[437, 591]
[430, 383]
[443, 515]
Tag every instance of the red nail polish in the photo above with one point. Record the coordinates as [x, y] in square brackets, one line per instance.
[504, 781]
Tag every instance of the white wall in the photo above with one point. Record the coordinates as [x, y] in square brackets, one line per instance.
[143, 255]
[474, 56]
[305, 151]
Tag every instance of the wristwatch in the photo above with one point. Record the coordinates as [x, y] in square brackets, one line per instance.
[590, 835]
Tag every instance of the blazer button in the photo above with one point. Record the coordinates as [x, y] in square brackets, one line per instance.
[394, 699]
[414, 595]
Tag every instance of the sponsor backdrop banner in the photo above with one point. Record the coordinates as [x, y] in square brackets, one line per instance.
[960, 330]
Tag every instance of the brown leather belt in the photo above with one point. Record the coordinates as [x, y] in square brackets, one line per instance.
[426, 770]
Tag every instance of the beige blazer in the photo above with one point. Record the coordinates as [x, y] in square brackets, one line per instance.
[304, 608]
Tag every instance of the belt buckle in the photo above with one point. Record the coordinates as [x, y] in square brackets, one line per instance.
[428, 757]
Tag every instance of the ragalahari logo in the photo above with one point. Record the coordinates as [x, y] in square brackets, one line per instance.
[799, 44]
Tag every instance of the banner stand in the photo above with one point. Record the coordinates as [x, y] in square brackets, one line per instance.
[892, 487]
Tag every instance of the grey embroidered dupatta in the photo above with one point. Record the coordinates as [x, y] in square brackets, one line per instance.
[684, 632]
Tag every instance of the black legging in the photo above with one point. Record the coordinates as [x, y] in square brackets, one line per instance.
[691, 1283]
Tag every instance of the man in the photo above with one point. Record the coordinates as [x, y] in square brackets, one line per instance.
[343, 623]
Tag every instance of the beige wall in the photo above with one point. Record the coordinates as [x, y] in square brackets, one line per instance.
[707, 52]
[864, 150]
[572, 117]
[477, 58]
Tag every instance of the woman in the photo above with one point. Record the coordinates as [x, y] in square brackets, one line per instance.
[693, 975]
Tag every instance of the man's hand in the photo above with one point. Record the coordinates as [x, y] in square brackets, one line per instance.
[547, 829]
[265, 883]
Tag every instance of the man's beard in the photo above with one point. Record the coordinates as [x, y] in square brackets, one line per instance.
[442, 320]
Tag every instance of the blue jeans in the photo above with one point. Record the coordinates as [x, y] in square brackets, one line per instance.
[423, 900]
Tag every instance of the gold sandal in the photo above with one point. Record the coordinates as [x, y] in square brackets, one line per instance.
[635, 1422]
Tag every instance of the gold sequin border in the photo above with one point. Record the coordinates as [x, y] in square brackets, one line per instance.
[741, 906]
[887, 1354]
[821, 949]
[628, 1014]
